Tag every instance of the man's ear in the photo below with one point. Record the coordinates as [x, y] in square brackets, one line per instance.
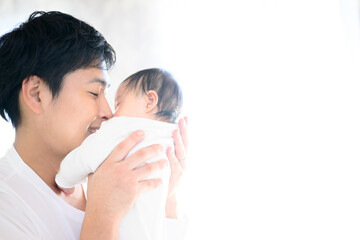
[151, 99]
[35, 93]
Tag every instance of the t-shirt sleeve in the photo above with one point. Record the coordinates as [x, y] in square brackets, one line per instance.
[175, 229]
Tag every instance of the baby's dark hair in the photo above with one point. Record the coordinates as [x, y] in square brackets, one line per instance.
[48, 45]
[170, 98]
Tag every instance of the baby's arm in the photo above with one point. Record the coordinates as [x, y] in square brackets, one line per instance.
[86, 158]
[74, 169]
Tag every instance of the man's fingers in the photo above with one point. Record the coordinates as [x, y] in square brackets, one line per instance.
[146, 185]
[174, 163]
[179, 146]
[143, 155]
[123, 148]
[150, 168]
[183, 123]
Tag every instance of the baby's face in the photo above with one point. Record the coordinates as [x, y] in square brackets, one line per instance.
[129, 104]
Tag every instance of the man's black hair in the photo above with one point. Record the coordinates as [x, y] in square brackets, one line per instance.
[48, 45]
[169, 93]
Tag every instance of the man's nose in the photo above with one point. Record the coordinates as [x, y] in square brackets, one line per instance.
[104, 109]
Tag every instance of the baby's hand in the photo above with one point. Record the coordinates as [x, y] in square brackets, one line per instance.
[67, 190]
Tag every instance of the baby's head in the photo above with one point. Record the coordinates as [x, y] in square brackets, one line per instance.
[150, 93]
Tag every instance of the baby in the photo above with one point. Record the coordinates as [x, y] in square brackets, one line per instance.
[150, 100]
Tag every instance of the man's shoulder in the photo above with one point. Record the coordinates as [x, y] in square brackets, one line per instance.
[15, 212]
[17, 183]
[18, 213]
[14, 217]
[6, 168]
[11, 183]
[9, 200]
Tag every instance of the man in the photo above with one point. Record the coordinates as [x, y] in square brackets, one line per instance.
[52, 82]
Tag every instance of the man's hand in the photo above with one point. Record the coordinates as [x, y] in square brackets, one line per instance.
[115, 186]
[177, 165]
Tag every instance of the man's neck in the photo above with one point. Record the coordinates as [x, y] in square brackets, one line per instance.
[37, 155]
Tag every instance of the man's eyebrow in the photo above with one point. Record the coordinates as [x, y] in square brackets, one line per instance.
[101, 81]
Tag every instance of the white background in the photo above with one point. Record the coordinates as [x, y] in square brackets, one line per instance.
[271, 91]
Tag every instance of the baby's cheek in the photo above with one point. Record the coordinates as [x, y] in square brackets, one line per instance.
[117, 113]
[121, 112]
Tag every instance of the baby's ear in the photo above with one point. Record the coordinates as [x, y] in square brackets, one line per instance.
[151, 99]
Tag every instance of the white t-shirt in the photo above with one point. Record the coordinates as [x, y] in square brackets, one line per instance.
[145, 220]
[29, 209]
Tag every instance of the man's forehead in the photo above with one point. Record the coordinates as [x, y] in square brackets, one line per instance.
[88, 76]
[103, 81]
